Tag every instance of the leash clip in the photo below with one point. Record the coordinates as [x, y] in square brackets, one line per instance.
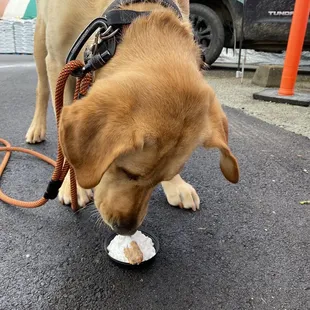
[100, 52]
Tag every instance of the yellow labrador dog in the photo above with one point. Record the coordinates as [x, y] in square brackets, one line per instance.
[147, 111]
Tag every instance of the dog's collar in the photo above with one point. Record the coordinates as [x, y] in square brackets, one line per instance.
[109, 29]
[117, 4]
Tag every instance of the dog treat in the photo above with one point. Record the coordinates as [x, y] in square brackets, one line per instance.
[117, 246]
[133, 253]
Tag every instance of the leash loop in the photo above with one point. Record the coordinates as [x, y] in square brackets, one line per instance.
[61, 167]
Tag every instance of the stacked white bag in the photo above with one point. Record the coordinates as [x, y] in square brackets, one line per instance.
[7, 42]
[24, 33]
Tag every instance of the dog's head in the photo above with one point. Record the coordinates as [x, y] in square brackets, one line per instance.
[143, 117]
[132, 132]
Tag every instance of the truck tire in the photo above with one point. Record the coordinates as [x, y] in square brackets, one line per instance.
[209, 31]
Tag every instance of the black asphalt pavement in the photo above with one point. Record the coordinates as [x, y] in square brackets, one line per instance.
[247, 248]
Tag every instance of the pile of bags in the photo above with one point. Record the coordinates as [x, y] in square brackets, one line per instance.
[16, 36]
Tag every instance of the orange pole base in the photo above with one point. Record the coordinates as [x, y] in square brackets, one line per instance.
[294, 47]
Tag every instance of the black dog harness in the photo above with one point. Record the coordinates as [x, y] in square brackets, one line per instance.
[109, 27]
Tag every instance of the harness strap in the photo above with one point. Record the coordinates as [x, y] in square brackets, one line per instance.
[117, 4]
[118, 18]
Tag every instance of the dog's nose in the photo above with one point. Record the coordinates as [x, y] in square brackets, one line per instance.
[123, 229]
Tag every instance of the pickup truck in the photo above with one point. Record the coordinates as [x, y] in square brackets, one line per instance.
[262, 25]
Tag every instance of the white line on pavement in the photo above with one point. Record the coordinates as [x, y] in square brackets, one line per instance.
[20, 65]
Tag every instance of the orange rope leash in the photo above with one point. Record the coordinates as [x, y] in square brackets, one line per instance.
[61, 166]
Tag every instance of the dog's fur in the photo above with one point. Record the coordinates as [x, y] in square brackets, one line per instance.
[147, 111]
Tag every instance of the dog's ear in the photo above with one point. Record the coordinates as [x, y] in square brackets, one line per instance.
[216, 136]
[91, 139]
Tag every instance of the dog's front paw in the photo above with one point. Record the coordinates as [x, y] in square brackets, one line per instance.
[179, 193]
[36, 132]
[64, 195]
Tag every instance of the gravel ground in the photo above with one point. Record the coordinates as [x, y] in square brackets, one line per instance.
[231, 92]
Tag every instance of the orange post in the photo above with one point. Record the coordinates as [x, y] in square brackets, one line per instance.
[294, 47]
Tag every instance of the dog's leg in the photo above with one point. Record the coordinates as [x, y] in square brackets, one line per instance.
[53, 70]
[64, 196]
[179, 193]
[37, 130]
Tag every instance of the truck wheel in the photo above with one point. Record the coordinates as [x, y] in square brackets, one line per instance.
[209, 31]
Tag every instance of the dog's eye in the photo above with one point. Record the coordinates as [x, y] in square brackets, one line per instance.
[130, 176]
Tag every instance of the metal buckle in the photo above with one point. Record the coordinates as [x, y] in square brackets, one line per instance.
[104, 34]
